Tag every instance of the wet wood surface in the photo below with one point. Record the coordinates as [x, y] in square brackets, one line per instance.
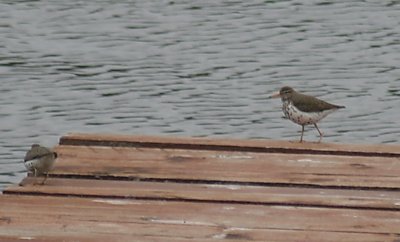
[142, 188]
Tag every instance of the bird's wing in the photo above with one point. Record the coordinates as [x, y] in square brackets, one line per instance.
[307, 103]
[37, 153]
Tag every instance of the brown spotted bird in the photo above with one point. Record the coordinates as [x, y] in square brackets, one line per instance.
[303, 109]
[39, 160]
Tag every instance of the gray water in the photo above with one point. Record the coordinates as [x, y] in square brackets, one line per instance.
[193, 68]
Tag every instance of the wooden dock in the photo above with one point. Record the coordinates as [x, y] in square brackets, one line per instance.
[140, 188]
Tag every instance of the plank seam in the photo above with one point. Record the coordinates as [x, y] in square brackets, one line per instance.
[192, 200]
[218, 182]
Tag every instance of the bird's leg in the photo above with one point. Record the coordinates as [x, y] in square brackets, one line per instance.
[320, 133]
[34, 174]
[302, 131]
[45, 178]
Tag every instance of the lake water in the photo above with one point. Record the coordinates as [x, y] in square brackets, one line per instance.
[193, 68]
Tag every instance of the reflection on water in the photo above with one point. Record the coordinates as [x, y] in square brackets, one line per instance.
[189, 68]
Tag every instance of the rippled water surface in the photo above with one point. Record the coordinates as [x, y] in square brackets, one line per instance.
[193, 68]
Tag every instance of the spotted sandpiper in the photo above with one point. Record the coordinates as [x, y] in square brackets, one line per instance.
[39, 160]
[303, 109]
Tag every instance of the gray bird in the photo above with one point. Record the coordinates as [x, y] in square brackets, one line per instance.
[39, 160]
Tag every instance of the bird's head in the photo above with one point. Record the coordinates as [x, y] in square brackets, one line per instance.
[285, 93]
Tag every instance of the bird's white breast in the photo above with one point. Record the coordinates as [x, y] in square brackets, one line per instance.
[32, 164]
[303, 118]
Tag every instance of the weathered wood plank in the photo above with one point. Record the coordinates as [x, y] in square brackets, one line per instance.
[83, 217]
[227, 166]
[230, 144]
[31, 235]
[245, 194]
[108, 238]
[196, 189]
[230, 235]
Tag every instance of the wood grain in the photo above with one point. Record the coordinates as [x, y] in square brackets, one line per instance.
[219, 193]
[271, 146]
[227, 166]
[82, 217]
[144, 188]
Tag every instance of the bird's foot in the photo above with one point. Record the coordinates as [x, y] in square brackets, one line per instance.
[297, 141]
[39, 183]
[42, 183]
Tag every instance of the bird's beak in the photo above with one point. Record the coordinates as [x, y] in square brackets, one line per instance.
[275, 95]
